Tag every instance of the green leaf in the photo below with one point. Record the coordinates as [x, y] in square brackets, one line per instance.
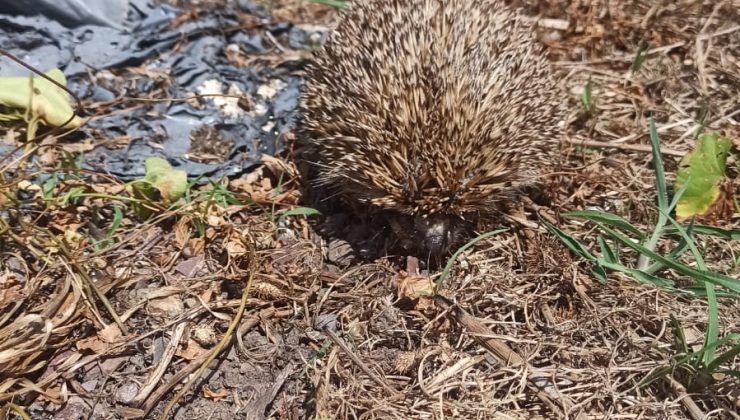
[37, 98]
[161, 183]
[170, 183]
[701, 171]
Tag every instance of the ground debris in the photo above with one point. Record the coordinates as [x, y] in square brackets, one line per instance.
[104, 314]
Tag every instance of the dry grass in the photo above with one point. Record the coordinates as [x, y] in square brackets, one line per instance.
[524, 331]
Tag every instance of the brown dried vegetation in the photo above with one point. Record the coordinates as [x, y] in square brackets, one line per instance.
[521, 329]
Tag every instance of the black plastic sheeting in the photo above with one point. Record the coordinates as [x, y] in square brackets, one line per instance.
[71, 13]
[191, 54]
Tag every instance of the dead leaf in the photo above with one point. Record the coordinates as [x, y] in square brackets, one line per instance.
[78, 146]
[191, 351]
[110, 334]
[220, 395]
[10, 290]
[414, 287]
[111, 189]
[196, 246]
[235, 247]
[214, 220]
[182, 231]
[94, 344]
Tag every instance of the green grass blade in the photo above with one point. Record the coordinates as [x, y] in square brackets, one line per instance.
[570, 242]
[579, 249]
[116, 222]
[609, 254]
[662, 194]
[679, 335]
[337, 4]
[660, 182]
[701, 292]
[641, 276]
[724, 357]
[586, 96]
[676, 252]
[732, 234]
[456, 255]
[300, 211]
[712, 333]
[656, 374]
[608, 219]
[640, 56]
[733, 373]
[729, 283]
[698, 356]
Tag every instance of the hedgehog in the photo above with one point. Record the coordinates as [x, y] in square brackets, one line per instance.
[436, 113]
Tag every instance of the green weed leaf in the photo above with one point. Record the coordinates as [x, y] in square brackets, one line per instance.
[37, 99]
[161, 184]
[701, 171]
[170, 183]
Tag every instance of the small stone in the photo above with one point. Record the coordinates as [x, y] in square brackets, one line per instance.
[326, 322]
[126, 393]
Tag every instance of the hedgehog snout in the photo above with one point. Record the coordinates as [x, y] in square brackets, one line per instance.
[440, 233]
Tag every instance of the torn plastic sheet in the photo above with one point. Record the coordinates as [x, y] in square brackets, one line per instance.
[71, 13]
[104, 64]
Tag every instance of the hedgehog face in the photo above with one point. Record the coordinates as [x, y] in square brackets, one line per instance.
[439, 234]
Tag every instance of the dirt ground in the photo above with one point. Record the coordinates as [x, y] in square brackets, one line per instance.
[232, 311]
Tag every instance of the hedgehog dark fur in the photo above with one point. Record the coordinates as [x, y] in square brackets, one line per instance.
[433, 111]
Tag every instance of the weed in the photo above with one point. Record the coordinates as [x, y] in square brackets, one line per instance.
[587, 97]
[115, 224]
[640, 56]
[621, 233]
[695, 369]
